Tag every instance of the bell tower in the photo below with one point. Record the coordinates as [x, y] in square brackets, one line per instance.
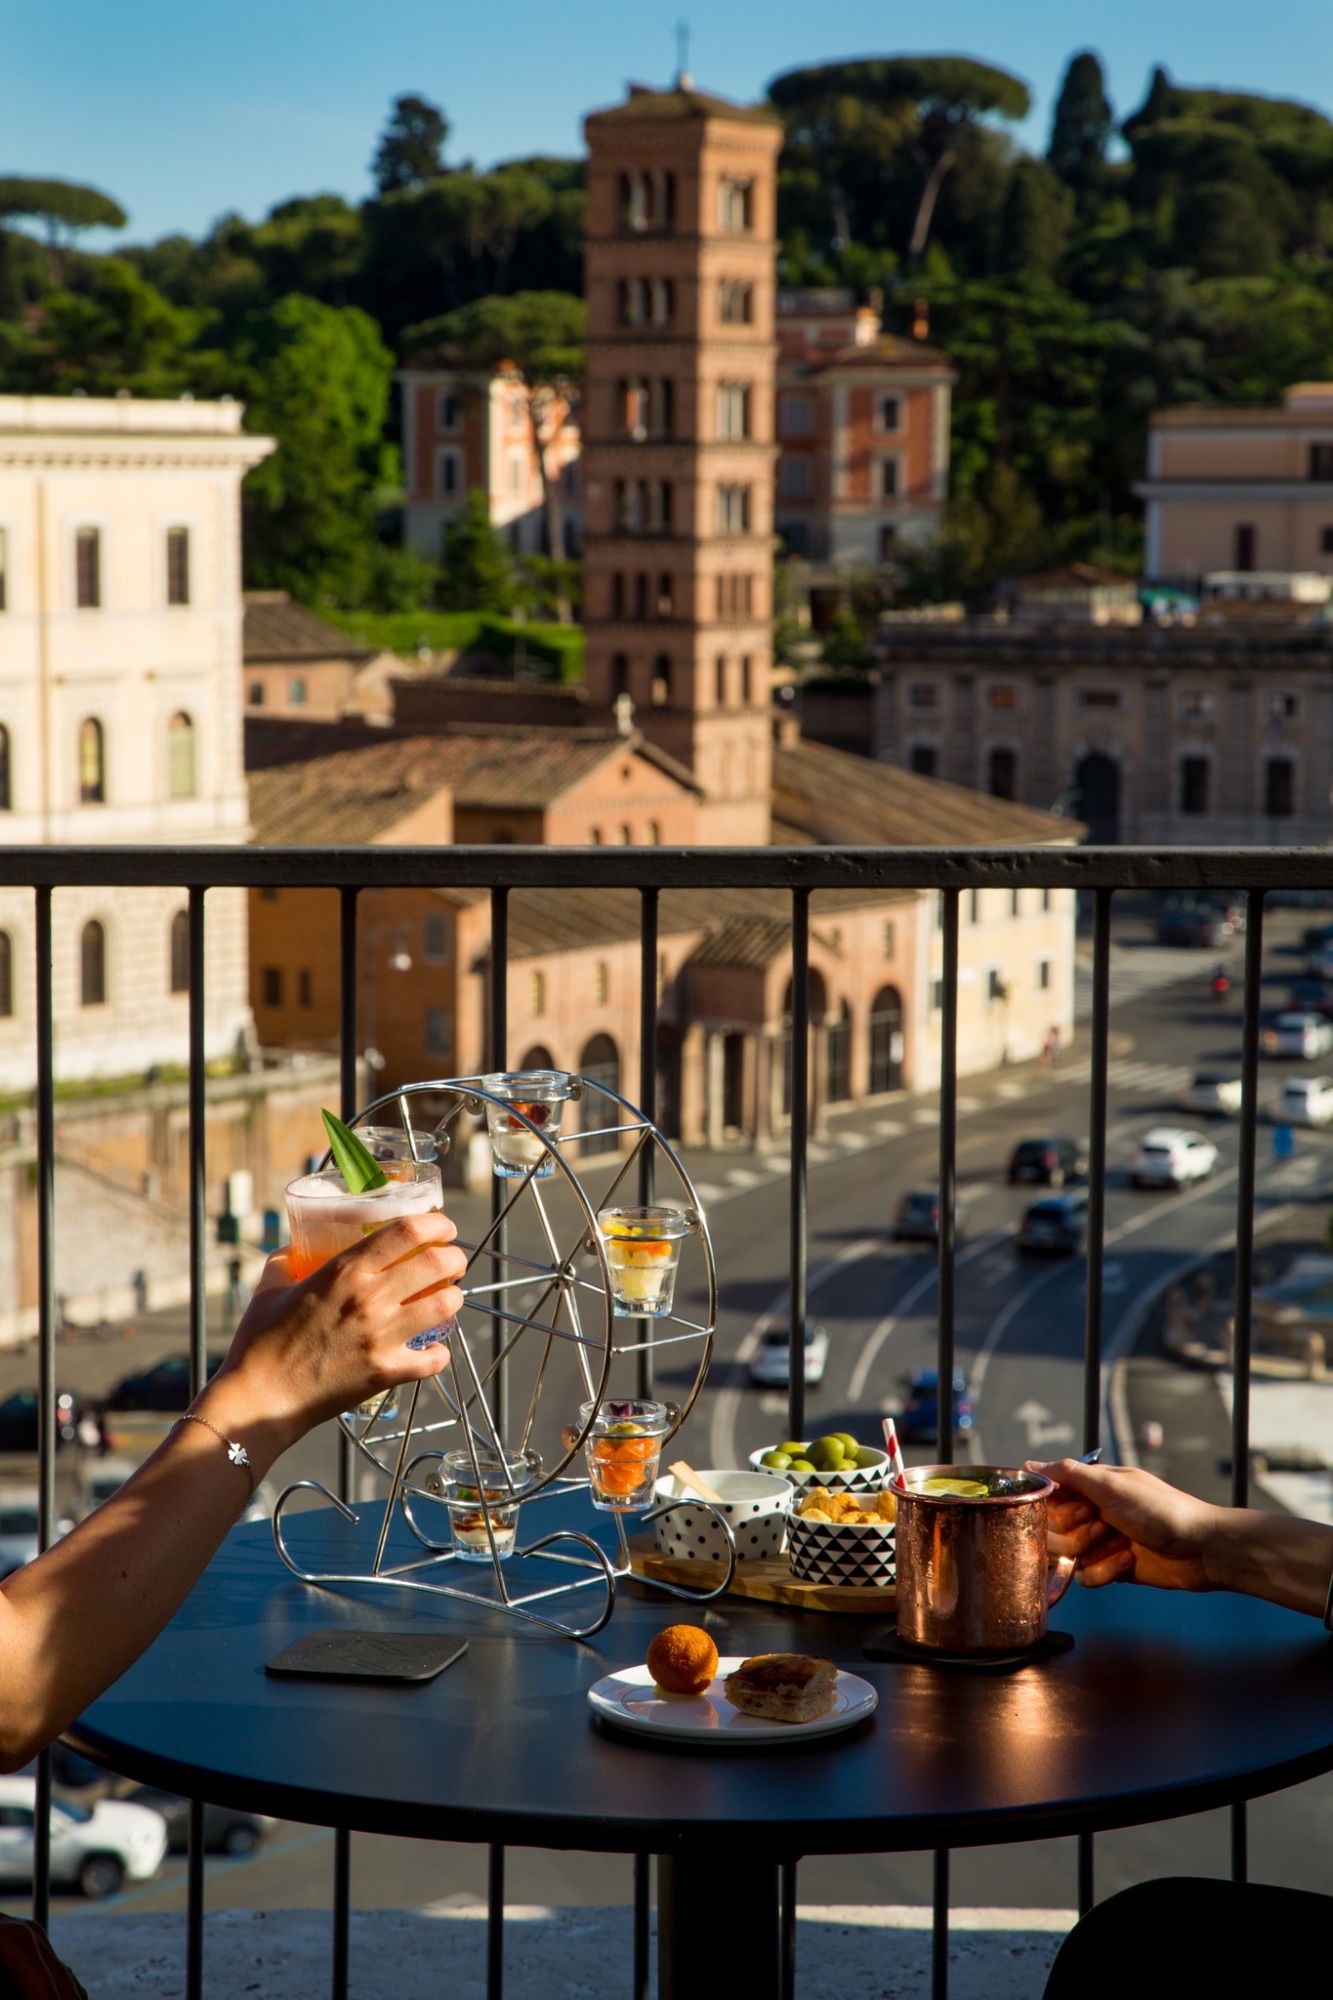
[678, 436]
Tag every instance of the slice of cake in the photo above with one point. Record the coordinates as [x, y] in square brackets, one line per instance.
[783, 1687]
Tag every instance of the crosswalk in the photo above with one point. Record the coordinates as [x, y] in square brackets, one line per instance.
[1136, 970]
[1146, 1079]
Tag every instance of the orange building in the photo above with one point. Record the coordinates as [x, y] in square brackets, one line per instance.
[469, 429]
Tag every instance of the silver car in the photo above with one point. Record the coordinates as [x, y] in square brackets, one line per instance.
[1172, 1157]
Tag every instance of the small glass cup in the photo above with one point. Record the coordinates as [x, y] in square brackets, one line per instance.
[624, 1449]
[643, 1251]
[538, 1097]
[504, 1479]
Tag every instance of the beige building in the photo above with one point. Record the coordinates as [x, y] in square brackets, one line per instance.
[298, 664]
[120, 712]
[1240, 489]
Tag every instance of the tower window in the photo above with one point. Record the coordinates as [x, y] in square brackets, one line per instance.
[617, 594]
[178, 565]
[666, 406]
[664, 301]
[746, 696]
[180, 757]
[88, 569]
[735, 302]
[1194, 776]
[735, 207]
[665, 595]
[619, 673]
[733, 411]
[733, 509]
[661, 683]
[1279, 788]
[720, 680]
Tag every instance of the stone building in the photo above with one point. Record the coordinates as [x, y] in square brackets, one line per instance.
[470, 430]
[298, 664]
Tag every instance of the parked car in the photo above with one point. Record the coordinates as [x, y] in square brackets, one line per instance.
[1316, 935]
[1214, 1092]
[1056, 1225]
[18, 1419]
[95, 1847]
[19, 1520]
[1197, 929]
[1303, 1100]
[165, 1386]
[1310, 996]
[919, 1418]
[227, 1830]
[1052, 1161]
[918, 1218]
[1319, 961]
[1303, 1035]
[770, 1364]
[1172, 1157]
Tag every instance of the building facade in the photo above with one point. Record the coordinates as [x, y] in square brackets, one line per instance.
[470, 430]
[1240, 489]
[298, 664]
[120, 712]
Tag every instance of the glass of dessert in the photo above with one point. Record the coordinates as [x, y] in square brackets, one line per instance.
[504, 1480]
[525, 1124]
[624, 1449]
[643, 1252]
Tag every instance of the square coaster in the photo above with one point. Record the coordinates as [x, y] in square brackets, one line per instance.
[888, 1646]
[369, 1656]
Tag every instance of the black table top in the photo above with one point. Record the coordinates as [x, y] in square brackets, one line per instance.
[1165, 1705]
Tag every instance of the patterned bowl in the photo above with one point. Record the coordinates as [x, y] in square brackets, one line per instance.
[851, 1553]
[865, 1479]
[754, 1505]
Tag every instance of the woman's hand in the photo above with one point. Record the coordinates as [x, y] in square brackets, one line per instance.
[1126, 1526]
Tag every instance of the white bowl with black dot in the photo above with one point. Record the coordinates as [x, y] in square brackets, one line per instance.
[755, 1508]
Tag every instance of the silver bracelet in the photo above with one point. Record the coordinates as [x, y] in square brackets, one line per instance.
[237, 1453]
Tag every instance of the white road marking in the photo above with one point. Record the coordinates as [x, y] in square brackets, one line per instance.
[853, 1142]
[1009, 1091]
[924, 1117]
[967, 1105]
[879, 1334]
[741, 1177]
[707, 1193]
[889, 1128]
[1042, 1428]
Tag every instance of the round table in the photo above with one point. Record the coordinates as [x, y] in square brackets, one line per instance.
[1166, 1705]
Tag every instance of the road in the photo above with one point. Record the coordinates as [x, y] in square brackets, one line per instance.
[1019, 1333]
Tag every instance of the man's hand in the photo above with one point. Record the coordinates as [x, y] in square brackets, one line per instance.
[1126, 1526]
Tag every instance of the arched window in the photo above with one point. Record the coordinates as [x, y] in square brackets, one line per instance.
[619, 673]
[661, 684]
[886, 1041]
[180, 757]
[6, 976]
[92, 965]
[92, 762]
[600, 1063]
[6, 776]
[538, 1057]
[838, 1055]
[180, 952]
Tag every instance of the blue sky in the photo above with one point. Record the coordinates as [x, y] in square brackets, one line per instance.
[184, 111]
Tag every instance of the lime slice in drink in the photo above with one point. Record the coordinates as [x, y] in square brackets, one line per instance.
[959, 1489]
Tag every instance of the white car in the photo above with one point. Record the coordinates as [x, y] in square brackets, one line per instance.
[1171, 1157]
[1303, 1035]
[1216, 1093]
[19, 1522]
[96, 1847]
[770, 1364]
[1303, 1100]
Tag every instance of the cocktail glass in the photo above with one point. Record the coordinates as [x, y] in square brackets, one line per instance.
[643, 1251]
[532, 1105]
[504, 1479]
[624, 1449]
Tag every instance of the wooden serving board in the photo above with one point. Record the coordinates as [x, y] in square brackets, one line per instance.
[771, 1581]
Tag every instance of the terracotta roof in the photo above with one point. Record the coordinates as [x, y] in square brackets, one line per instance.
[1077, 576]
[644, 103]
[753, 942]
[856, 802]
[575, 919]
[887, 350]
[276, 628]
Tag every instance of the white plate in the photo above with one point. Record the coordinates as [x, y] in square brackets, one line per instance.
[631, 1700]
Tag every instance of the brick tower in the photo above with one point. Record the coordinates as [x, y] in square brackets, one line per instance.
[678, 436]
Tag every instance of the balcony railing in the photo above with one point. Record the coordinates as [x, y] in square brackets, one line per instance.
[1096, 873]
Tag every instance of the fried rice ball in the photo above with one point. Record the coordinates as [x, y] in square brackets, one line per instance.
[683, 1659]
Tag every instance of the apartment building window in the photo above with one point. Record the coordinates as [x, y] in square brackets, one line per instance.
[1003, 774]
[435, 939]
[974, 906]
[1005, 698]
[661, 681]
[270, 985]
[888, 415]
[746, 696]
[625, 836]
[1043, 975]
[634, 404]
[88, 569]
[1245, 545]
[923, 758]
[1321, 461]
[735, 302]
[6, 773]
[997, 989]
[666, 600]
[889, 941]
[448, 472]
[664, 509]
[923, 694]
[92, 762]
[619, 674]
[1194, 778]
[664, 301]
[1015, 902]
[617, 594]
[256, 696]
[305, 987]
[795, 478]
[537, 981]
[449, 411]
[1279, 788]
[437, 1031]
[735, 596]
[1284, 707]
[796, 415]
[631, 505]
[1047, 901]
[6, 976]
[92, 965]
[733, 509]
[178, 953]
[733, 411]
[601, 983]
[4, 570]
[178, 565]
[735, 207]
[1099, 697]
[666, 407]
[720, 681]
[296, 692]
[1197, 705]
[180, 757]
[888, 479]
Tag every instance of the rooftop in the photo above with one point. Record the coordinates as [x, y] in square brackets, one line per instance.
[847, 801]
[646, 105]
[130, 415]
[277, 628]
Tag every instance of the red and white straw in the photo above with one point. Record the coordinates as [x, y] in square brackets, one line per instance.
[894, 1450]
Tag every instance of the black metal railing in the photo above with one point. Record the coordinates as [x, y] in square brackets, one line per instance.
[1097, 873]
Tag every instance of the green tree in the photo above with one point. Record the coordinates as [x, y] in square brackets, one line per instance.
[537, 339]
[411, 146]
[475, 574]
[64, 208]
[1037, 222]
[318, 379]
[1081, 126]
[116, 334]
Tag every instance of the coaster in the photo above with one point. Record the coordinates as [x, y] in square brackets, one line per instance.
[888, 1646]
[369, 1656]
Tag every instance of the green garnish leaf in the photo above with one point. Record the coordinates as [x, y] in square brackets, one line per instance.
[358, 1166]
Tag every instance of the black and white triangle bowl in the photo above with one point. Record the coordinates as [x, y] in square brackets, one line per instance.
[852, 1553]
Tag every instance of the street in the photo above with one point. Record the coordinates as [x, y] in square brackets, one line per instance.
[1019, 1337]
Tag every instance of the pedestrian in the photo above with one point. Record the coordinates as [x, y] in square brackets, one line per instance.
[1050, 1048]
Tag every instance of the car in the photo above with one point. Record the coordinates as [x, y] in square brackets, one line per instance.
[1170, 1156]
[919, 1418]
[1052, 1161]
[18, 1420]
[918, 1218]
[1056, 1225]
[19, 1521]
[1195, 929]
[1303, 1035]
[770, 1364]
[95, 1847]
[1303, 1100]
[165, 1386]
[227, 1830]
[1319, 962]
[1316, 935]
[1214, 1092]
[99, 1478]
[1310, 996]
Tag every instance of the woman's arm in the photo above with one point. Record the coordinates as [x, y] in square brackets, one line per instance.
[72, 1621]
[1126, 1526]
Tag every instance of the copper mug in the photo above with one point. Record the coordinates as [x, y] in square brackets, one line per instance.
[973, 1573]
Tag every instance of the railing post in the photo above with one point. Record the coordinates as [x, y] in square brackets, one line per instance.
[800, 1165]
[647, 1091]
[1096, 1247]
[347, 1106]
[1244, 1288]
[46, 1362]
[499, 1036]
[198, 1168]
[948, 1176]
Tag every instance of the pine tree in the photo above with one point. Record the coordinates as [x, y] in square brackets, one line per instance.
[475, 574]
[1082, 125]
